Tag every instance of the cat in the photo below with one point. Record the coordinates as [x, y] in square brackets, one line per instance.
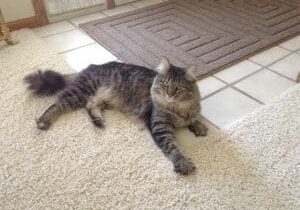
[165, 98]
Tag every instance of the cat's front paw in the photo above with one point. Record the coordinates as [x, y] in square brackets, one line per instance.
[184, 166]
[42, 124]
[198, 128]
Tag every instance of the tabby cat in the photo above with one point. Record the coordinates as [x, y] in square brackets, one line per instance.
[165, 99]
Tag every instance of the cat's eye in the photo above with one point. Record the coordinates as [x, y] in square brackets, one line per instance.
[180, 88]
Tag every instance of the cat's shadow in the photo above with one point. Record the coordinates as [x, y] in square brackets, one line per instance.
[215, 153]
[227, 165]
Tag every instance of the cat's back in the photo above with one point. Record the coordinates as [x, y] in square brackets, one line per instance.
[124, 69]
[117, 74]
[126, 86]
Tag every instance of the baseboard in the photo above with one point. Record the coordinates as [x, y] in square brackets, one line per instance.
[39, 19]
[29, 22]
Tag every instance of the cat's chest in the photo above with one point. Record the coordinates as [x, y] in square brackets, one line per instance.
[183, 119]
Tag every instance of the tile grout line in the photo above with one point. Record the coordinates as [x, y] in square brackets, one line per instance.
[270, 64]
[275, 72]
[267, 66]
[287, 48]
[242, 78]
[213, 124]
[284, 48]
[229, 86]
[77, 26]
[249, 75]
[246, 94]
[72, 23]
[262, 67]
[215, 92]
[76, 48]
[233, 83]
[58, 33]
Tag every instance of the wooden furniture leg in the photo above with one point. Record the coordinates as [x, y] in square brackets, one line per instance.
[4, 32]
[110, 4]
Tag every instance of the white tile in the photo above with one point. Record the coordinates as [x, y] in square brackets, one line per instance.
[209, 85]
[237, 71]
[269, 56]
[92, 54]
[145, 3]
[264, 85]
[119, 10]
[289, 66]
[54, 28]
[226, 106]
[292, 44]
[87, 18]
[68, 40]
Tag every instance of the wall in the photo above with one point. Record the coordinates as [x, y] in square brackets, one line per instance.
[56, 7]
[16, 9]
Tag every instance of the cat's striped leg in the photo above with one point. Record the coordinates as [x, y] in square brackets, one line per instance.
[162, 131]
[68, 100]
[94, 110]
[51, 113]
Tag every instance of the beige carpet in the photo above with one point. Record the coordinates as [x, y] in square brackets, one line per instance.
[252, 165]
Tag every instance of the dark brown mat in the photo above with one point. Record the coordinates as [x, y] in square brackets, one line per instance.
[209, 33]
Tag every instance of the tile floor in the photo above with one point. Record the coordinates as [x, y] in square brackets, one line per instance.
[226, 95]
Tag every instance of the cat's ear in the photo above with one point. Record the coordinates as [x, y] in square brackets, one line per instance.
[190, 73]
[163, 66]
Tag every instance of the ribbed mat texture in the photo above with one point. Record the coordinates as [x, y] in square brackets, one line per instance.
[208, 33]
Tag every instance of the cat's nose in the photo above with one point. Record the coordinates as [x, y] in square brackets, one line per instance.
[170, 92]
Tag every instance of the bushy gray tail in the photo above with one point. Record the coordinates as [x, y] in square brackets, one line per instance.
[47, 83]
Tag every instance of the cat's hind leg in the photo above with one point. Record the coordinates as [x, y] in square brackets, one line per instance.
[94, 109]
[68, 100]
[47, 118]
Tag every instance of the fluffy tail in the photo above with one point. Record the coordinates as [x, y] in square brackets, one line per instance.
[48, 82]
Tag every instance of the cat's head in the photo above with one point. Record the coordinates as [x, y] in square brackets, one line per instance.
[174, 84]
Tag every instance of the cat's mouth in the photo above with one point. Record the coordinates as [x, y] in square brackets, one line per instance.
[169, 99]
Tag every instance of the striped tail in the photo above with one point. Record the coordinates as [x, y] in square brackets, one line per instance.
[47, 83]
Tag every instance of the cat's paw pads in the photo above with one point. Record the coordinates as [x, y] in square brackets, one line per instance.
[199, 129]
[184, 166]
[202, 130]
[98, 122]
[42, 125]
